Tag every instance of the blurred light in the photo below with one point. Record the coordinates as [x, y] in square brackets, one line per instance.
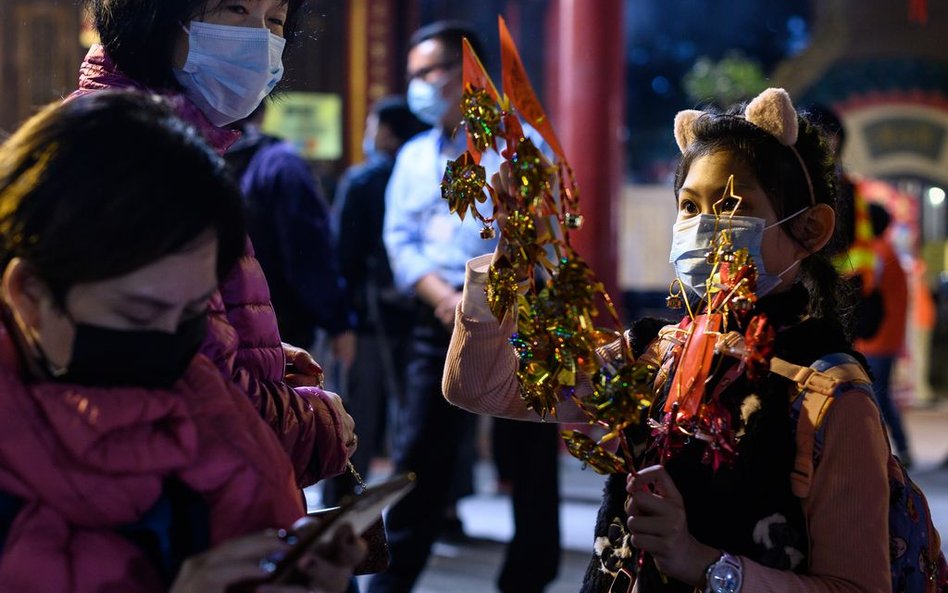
[798, 37]
[796, 25]
[936, 196]
[661, 85]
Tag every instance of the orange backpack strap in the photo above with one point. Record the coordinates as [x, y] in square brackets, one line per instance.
[817, 386]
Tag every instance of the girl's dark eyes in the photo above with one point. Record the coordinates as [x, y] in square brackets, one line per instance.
[241, 10]
[688, 207]
[730, 204]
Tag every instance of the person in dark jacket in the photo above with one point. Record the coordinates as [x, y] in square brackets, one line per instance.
[128, 462]
[186, 51]
[288, 222]
[382, 313]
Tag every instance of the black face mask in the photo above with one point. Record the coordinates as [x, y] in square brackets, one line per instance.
[106, 357]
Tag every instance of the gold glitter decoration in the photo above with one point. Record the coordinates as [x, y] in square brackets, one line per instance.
[501, 289]
[592, 454]
[555, 297]
[534, 176]
[482, 115]
[621, 397]
[463, 184]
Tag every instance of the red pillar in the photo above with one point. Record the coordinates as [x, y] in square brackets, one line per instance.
[588, 89]
[374, 66]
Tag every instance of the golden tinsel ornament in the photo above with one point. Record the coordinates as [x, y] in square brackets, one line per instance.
[463, 184]
[675, 298]
[534, 176]
[558, 298]
[585, 449]
[621, 397]
[501, 289]
[521, 234]
[482, 116]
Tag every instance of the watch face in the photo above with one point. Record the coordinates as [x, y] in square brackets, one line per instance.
[724, 579]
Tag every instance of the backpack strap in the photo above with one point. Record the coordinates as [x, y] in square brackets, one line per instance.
[818, 385]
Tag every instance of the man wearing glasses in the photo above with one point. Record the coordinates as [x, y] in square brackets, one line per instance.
[428, 249]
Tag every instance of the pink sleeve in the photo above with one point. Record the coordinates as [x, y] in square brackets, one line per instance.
[329, 455]
[480, 372]
[480, 369]
[305, 424]
[846, 512]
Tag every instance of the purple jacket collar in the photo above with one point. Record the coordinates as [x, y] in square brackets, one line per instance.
[99, 72]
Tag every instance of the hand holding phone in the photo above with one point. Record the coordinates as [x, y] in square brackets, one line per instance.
[336, 527]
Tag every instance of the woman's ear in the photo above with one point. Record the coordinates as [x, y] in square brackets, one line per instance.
[23, 292]
[816, 230]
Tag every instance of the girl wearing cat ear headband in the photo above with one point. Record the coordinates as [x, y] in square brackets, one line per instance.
[756, 524]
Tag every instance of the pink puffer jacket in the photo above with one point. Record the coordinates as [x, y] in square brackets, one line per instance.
[86, 462]
[243, 339]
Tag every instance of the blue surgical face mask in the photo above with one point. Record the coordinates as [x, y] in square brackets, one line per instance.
[691, 240]
[426, 100]
[230, 69]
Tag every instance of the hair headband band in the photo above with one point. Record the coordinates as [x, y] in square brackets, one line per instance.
[772, 111]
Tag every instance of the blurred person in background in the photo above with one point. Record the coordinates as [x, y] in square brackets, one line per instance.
[383, 315]
[288, 221]
[874, 274]
[924, 317]
[884, 346]
[428, 248]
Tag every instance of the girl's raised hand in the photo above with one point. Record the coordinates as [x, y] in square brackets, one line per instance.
[504, 189]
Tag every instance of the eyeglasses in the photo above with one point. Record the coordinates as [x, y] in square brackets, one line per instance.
[424, 73]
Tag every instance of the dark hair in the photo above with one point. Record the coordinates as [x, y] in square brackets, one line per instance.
[140, 34]
[449, 33]
[393, 111]
[107, 183]
[828, 119]
[779, 173]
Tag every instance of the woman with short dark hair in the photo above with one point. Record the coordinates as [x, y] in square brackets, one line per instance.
[215, 61]
[128, 462]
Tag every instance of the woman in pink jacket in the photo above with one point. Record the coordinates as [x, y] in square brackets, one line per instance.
[128, 462]
[216, 61]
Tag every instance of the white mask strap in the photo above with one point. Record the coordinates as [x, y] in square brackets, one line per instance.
[785, 219]
[788, 268]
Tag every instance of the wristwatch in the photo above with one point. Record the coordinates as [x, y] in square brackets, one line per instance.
[725, 575]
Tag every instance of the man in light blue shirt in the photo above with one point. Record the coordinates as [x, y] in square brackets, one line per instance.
[428, 245]
[428, 250]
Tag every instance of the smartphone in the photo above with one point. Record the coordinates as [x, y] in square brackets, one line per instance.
[360, 512]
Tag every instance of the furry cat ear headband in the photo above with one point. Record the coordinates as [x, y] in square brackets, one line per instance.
[771, 111]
